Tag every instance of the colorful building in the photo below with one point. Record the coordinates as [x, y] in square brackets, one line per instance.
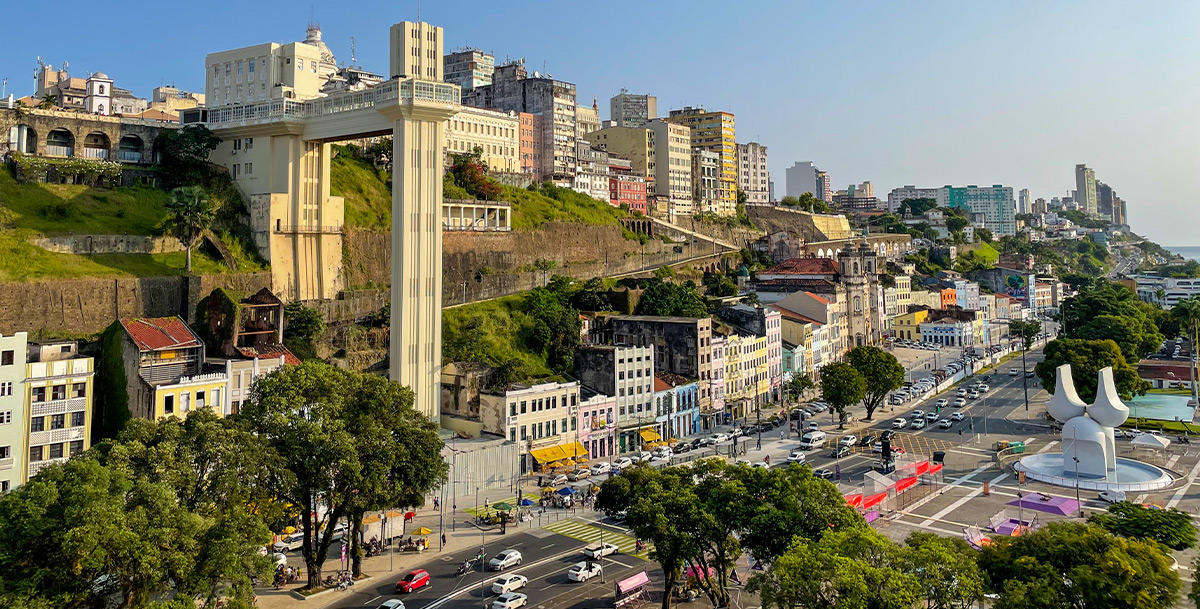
[714, 132]
[164, 369]
[597, 423]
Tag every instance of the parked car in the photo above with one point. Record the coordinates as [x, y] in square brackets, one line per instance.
[984, 388]
[839, 451]
[848, 440]
[583, 571]
[508, 583]
[292, 541]
[599, 550]
[813, 426]
[623, 462]
[601, 467]
[579, 474]
[1112, 496]
[720, 437]
[644, 456]
[510, 600]
[957, 416]
[506, 558]
[416, 579]
[931, 417]
[559, 480]
[962, 393]
[391, 603]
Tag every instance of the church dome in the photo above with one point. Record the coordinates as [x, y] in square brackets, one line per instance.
[313, 37]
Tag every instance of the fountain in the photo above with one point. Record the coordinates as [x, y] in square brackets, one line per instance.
[1089, 458]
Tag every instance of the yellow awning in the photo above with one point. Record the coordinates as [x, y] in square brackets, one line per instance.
[649, 435]
[558, 453]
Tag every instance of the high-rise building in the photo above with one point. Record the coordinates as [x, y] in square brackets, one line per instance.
[824, 187]
[1023, 203]
[1124, 219]
[804, 177]
[899, 195]
[587, 119]
[672, 168]
[514, 89]
[706, 171]
[714, 132]
[995, 203]
[632, 110]
[468, 68]
[753, 178]
[637, 144]
[12, 410]
[1106, 202]
[1085, 187]
[530, 143]
[857, 196]
[1040, 206]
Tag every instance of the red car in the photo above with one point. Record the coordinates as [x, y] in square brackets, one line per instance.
[412, 581]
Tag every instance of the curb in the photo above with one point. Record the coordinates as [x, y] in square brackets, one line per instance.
[300, 597]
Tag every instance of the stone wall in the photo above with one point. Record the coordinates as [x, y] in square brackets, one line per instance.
[109, 244]
[87, 306]
[80, 125]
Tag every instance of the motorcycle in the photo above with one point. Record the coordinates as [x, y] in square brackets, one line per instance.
[466, 567]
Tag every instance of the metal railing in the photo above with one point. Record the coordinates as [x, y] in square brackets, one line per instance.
[56, 150]
[130, 156]
[95, 153]
[6, 463]
[296, 229]
[386, 93]
[40, 409]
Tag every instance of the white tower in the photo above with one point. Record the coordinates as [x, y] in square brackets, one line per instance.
[98, 89]
[417, 134]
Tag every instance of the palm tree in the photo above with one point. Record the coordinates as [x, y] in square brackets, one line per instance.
[189, 212]
[49, 100]
[1187, 313]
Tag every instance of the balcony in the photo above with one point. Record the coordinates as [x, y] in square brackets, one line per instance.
[6, 463]
[57, 150]
[95, 153]
[39, 409]
[38, 466]
[130, 156]
[55, 436]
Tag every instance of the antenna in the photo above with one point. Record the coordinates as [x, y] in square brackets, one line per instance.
[418, 11]
[353, 61]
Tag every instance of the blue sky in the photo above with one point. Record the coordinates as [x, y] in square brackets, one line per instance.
[927, 93]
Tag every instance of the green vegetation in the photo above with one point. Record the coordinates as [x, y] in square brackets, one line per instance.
[842, 385]
[806, 202]
[1113, 311]
[916, 207]
[537, 206]
[1087, 358]
[1067, 257]
[59, 209]
[1170, 527]
[881, 372]
[365, 190]
[672, 300]
[1189, 269]
[21, 261]
[301, 327]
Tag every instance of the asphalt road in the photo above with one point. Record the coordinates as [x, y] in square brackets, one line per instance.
[546, 558]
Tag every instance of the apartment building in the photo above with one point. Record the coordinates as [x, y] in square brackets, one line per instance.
[58, 397]
[164, 369]
[632, 110]
[530, 144]
[12, 410]
[676, 406]
[468, 68]
[673, 168]
[625, 372]
[682, 345]
[495, 133]
[636, 144]
[543, 418]
[587, 119]
[706, 181]
[591, 175]
[752, 176]
[714, 132]
[626, 186]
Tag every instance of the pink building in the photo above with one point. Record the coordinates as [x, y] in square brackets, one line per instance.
[625, 187]
[597, 424]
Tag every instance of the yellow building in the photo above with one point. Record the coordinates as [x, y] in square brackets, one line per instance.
[747, 374]
[908, 325]
[714, 132]
[164, 369]
[633, 143]
[495, 133]
[58, 398]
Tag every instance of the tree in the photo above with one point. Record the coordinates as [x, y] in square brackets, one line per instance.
[788, 503]
[555, 328]
[841, 386]
[796, 387]
[946, 569]
[916, 207]
[1090, 315]
[592, 297]
[1187, 314]
[1087, 358]
[955, 224]
[984, 235]
[881, 372]
[1170, 527]
[342, 437]
[789, 201]
[1077, 566]
[48, 101]
[301, 326]
[189, 213]
[672, 300]
[184, 155]
[719, 285]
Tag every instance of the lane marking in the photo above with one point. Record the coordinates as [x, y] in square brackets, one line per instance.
[960, 501]
[1191, 479]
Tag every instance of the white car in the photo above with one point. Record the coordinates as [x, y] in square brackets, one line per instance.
[931, 417]
[599, 550]
[945, 423]
[813, 426]
[1013, 372]
[917, 414]
[510, 600]
[719, 437]
[960, 402]
[391, 603]
[601, 467]
[291, 541]
[507, 558]
[848, 440]
[508, 583]
[942, 403]
[899, 424]
[917, 424]
[957, 416]
[962, 393]
[974, 395]
[761, 465]
[583, 571]
[623, 462]
[984, 388]
[661, 452]
[644, 456]
[796, 456]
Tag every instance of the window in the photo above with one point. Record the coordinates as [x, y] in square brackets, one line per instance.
[523, 434]
[300, 64]
[58, 421]
[6, 388]
[564, 424]
[5, 452]
[37, 424]
[35, 453]
[251, 66]
[185, 402]
[56, 451]
[6, 358]
[59, 392]
[5, 417]
[512, 434]
[76, 447]
[522, 409]
[79, 390]
[77, 419]
[169, 404]
[512, 409]
[249, 143]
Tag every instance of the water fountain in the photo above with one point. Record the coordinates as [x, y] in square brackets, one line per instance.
[1089, 458]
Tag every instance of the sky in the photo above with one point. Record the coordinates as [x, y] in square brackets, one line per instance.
[930, 93]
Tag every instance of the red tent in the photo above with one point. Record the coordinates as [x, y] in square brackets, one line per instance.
[854, 500]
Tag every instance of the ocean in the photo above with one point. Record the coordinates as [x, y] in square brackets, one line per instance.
[1191, 252]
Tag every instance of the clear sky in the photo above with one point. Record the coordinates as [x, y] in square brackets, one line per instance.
[924, 93]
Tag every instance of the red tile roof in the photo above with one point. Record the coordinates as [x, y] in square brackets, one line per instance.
[660, 385]
[819, 299]
[270, 352]
[160, 333]
[1163, 373]
[804, 266]
[794, 316]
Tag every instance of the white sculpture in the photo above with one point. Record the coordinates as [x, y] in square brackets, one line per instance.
[1088, 443]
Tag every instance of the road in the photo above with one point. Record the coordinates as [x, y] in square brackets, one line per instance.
[546, 558]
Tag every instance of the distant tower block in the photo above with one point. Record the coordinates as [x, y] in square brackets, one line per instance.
[417, 134]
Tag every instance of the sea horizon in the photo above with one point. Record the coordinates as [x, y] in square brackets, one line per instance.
[1191, 252]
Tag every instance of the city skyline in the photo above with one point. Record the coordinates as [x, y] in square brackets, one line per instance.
[867, 106]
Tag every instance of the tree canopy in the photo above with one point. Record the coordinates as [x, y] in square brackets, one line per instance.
[841, 386]
[1112, 311]
[1087, 359]
[673, 300]
[881, 372]
[1170, 527]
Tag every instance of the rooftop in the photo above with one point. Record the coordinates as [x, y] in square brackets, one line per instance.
[160, 333]
[803, 266]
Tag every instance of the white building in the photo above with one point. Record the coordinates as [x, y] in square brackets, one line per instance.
[753, 178]
[494, 132]
[673, 167]
[12, 410]
[543, 419]
[804, 177]
[632, 110]
[898, 195]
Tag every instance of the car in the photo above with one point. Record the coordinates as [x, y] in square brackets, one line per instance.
[661, 452]
[510, 600]
[736, 432]
[945, 423]
[719, 437]
[391, 603]
[579, 474]
[796, 456]
[1112, 496]
[706, 442]
[558, 480]
[601, 467]
[840, 451]
[957, 416]
[931, 417]
[962, 393]
[644, 456]
[1013, 372]
[984, 388]
[848, 440]
[415, 580]
[942, 403]
[599, 550]
[824, 473]
[291, 541]
[761, 465]
[960, 402]
[867, 440]
[884, 467]
[974, 395]
[508, 583]
[916, 414]
[812, 426]
[623, 462]
[899, 424]
[583, 571]
[1029, 374]
[504, 559]
[683, 447]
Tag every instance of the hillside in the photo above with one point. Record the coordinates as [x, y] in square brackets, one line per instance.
[365, 189]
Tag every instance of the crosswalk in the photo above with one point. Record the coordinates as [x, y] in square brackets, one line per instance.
[589, 533]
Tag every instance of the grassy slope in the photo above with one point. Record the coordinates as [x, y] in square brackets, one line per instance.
[532, 210]
[135, 211]
[22, 261]
[496, 324]
[989, 253]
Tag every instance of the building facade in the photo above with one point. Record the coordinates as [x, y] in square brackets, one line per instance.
[468, 68]
[13, 456]
[530, 144]
[682, 345]
[625, 372]
[636, 144]
[802, 177]
[672, 169]
[542, 419]
[597, 423]
[627, 109]
[706, 181]
[587, 119]
[753, 178]
[591, 176]
[164, 369]
[1085, 189]
[899, 195]
[714, 132]
[496, 134]
[626, 186]
[58, 397]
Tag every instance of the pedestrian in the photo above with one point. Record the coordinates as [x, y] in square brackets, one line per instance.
[443, 540]
[437, 504]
